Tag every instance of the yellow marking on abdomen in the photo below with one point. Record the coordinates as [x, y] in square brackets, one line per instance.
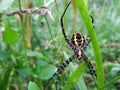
[82, 41]
[75, 39]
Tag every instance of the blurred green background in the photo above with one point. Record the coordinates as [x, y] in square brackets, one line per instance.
[32, 46]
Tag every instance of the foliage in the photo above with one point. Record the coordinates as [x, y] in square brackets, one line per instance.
[32, 46]
[32, 86]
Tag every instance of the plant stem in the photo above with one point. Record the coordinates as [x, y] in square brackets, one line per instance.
[49, 28]
[22, 27]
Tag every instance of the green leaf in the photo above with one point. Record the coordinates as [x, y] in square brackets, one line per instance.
[32, 86]
[37, 54]
[47, 72]
[41, 63]
[26, 70]
[4, 4]
[34, 53]
[10, 36]
[4, 55]
[86, 18]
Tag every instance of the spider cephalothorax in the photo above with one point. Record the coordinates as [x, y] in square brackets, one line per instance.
[78, 43]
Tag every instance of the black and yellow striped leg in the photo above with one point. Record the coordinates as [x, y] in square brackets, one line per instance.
[59, 70]
[63, 30]
[56, 82]
[87, 41]
[62, 26]
[92, 71]
[92, 19]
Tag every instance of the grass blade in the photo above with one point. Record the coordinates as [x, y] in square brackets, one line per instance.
[5, 80]
[49, 27]
[99, 66]
[111, 82]
[75, 76]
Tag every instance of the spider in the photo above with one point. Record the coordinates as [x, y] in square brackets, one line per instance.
[78, 43]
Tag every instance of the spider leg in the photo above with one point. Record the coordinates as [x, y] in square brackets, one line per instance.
[63, 30]
[57, 81]
[62, 26]
[87, 41]
[59, 70]
[92, 19]
[91, 68]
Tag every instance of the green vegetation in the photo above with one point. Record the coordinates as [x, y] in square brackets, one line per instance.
[32, 46]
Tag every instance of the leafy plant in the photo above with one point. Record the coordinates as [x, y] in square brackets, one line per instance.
[32, 45]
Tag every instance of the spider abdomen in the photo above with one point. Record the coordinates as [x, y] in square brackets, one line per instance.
[78, 39]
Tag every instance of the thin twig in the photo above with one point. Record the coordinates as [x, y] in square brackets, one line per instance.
[41, 10]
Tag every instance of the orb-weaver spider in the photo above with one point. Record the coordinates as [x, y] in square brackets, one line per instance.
[78, 44]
